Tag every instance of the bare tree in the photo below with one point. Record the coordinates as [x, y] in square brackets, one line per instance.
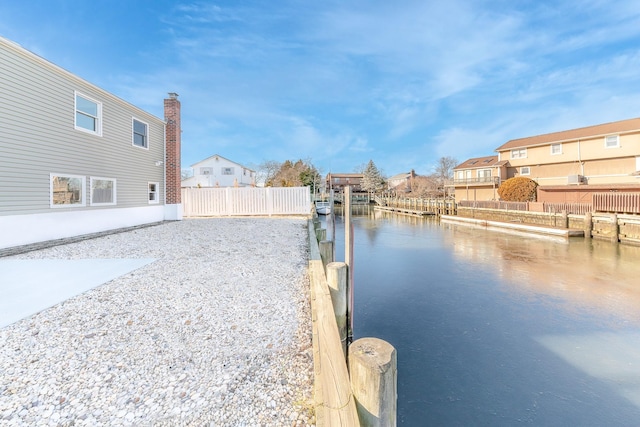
[425, 186]
[266, 171]
[444, 171]
[360, 168]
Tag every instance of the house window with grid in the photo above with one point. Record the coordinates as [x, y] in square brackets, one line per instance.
[525, 170]
[88, 115]
[67, 191]
[612, 141]
[153, 193]
[103, 191]
[484, 175]
[227, 171]
[520, 153]
[556, 149]
[140, 134]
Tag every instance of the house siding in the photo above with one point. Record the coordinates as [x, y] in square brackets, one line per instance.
[242, 176]
[38, 137]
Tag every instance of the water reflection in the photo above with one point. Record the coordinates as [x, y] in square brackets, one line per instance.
[497, 329]
[579, 271]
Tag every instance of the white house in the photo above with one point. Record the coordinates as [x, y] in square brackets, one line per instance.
[217, 171]
[76, 159]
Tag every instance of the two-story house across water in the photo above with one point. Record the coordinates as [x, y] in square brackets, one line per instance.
[569, 166]
[217, 171]
[75, 159]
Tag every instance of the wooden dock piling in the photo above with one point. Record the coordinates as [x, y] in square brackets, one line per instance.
[374, 378]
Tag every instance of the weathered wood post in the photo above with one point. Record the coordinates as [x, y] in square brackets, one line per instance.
[615, 229]
[348, 258]
[588, 224]
[338, 288]
[321, 234]
[374, 378]
[326, 251]
[565, 219]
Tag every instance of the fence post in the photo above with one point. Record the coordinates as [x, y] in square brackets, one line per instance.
[374, 377]
[565, 219]
[616, 228]
[338, 288]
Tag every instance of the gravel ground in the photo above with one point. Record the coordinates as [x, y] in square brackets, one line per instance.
[216, 332]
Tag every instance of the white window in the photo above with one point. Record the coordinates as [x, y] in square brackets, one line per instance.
[88, 115]
[206, 171]
[520, 153]
[140, 134]
[484, 175]
[103, 191]
[637, 163]
[525, 170]
[67, 191]
[556, 149]
[227, 171]
[153, 193]
[612, 141]
[460, 175]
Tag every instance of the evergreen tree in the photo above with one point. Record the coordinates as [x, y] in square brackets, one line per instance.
[372, 180]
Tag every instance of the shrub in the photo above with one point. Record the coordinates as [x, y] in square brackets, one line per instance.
[518, 189]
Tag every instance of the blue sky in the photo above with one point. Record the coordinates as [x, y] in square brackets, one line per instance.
[342, 82]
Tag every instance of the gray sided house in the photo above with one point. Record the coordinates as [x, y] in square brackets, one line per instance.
[75, 159]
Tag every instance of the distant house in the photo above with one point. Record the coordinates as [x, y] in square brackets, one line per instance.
[569, 166]
[401, 181]
[217, 171]
[337, 181]
[75, 159]
[478, 178]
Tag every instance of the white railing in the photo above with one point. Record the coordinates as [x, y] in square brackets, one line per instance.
[246, 201]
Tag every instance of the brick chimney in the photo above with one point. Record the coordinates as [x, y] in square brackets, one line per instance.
[172, 161]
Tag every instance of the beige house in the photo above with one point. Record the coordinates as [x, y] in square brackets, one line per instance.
[569, 166]
[478, 178]
[401, 181]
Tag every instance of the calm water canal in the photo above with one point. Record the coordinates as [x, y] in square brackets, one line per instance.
[495, 329]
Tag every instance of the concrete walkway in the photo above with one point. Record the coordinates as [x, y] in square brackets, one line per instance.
[32, 285]
[515, 227]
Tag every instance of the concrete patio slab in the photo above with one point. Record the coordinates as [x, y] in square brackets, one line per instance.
[28, 286]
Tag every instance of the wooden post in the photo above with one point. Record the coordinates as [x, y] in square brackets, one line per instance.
[321, 234]
[565, 219]
[615, 229]
[338, 288]
[348, 258]
[588, 225]
[316, 223]
[326, 251]
[374, 377]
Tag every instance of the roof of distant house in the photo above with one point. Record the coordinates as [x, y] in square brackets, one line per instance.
[622, 126]
[404, 175]
[478, 162]
[221, 157]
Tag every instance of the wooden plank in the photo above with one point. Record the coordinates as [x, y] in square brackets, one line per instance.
[334, 401]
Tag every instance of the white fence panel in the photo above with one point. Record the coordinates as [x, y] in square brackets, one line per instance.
[245, 201]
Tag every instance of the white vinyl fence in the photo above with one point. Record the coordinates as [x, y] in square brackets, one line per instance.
[246, 201]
